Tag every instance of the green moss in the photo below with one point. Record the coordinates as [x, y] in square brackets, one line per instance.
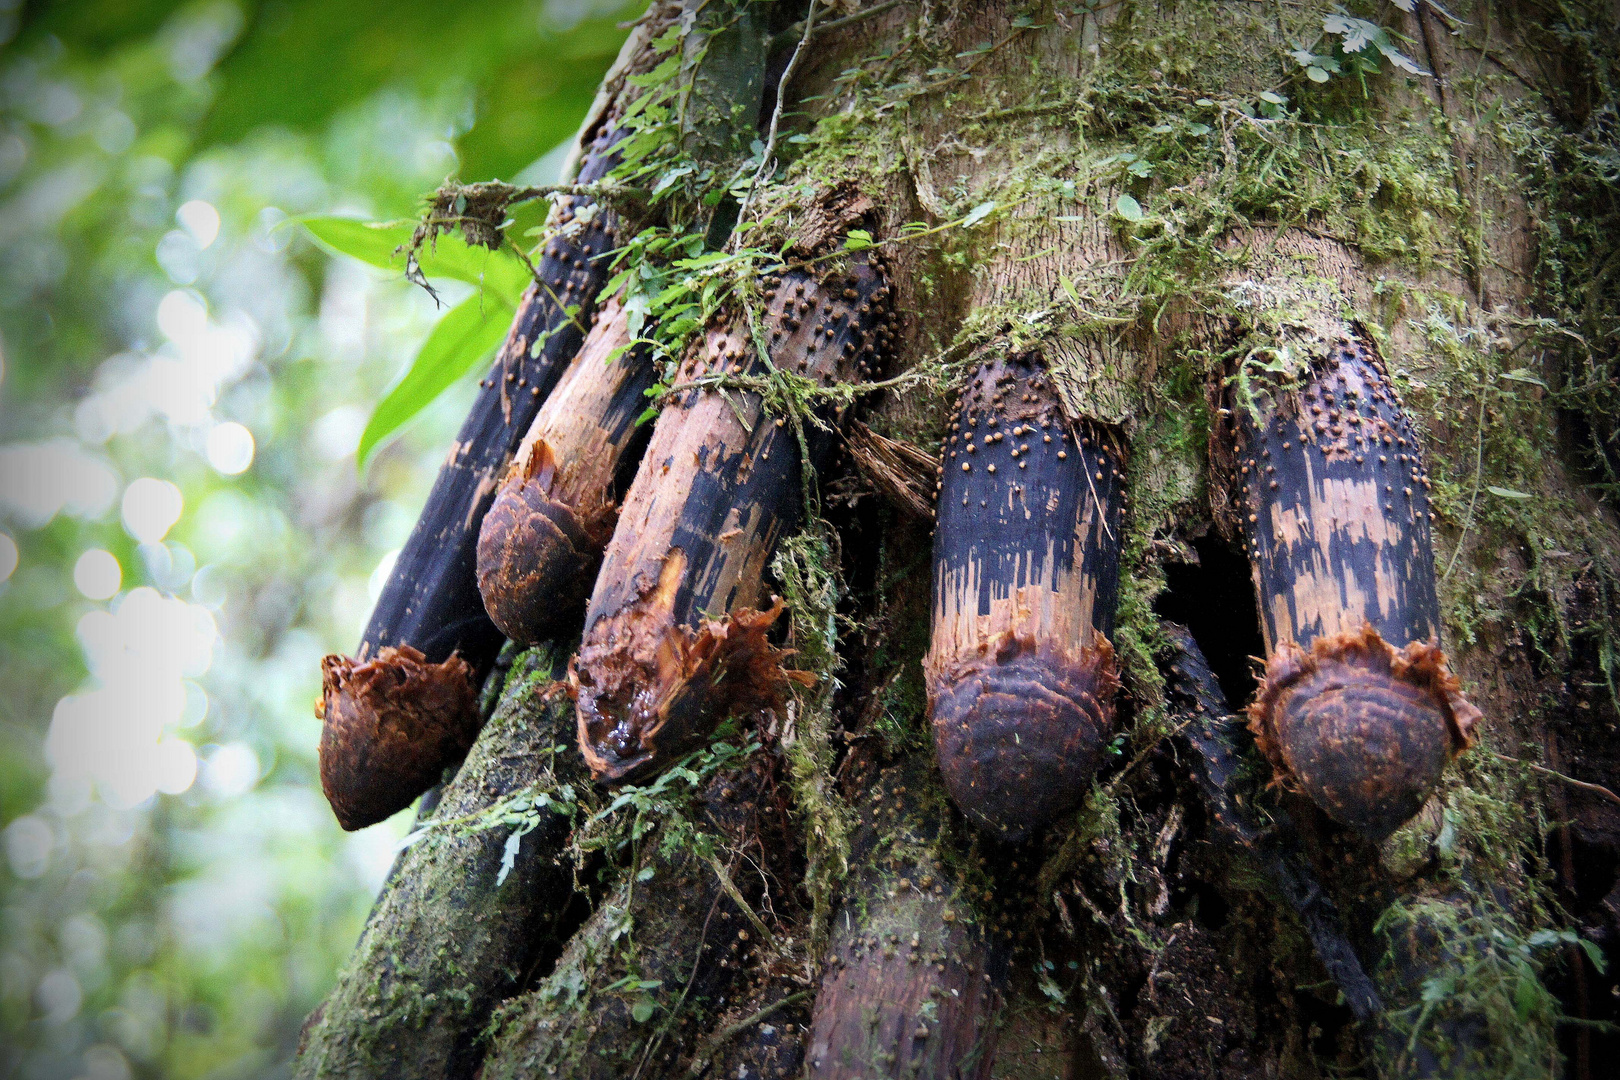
[808, 570]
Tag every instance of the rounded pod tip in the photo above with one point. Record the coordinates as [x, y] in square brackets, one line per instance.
[390, 726]
[537, 557]
[1363, 728]
[1020, 731]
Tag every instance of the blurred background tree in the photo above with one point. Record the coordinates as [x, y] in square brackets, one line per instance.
[184, 530]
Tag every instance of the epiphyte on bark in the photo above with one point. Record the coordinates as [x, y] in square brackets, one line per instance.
[1358, 707]
[675, 629]
[1020, 670]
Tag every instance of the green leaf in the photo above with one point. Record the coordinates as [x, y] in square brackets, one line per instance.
[978, 214]
[1525, 995]
[1521, 375]
[1140, 168]
[1595, 954]
[466, 334]
[1128, 208]
[509, 853]
[1273, 98]
[642, 1010]
[1506, 493]
[500, 272]
[857, 240]
[1316, 74]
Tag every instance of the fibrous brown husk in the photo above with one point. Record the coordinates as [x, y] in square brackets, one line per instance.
[1364, 728]
[391, 724]
[668, 707]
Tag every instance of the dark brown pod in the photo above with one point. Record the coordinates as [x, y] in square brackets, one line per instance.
[1020, 670]
[430, 603]
[542, 539]
[675, 629]
[914, 980]
[1357, 707]
[397, 716]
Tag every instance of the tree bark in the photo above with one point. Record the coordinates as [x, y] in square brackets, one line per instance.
[1179, 208]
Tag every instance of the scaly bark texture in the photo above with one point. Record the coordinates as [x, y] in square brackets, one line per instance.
[675, 630]
[445, 943]
[1020, 671]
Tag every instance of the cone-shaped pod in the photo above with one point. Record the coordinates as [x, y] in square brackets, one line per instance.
[1357, 706]
[405, 705]
[1020, 669]
[675, 629]
[913, 983]
[541, 542]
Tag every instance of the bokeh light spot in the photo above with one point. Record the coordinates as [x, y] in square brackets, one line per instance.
[151, 507]
[28, 846]
[230, 448]
[201, 220]
[97, 574]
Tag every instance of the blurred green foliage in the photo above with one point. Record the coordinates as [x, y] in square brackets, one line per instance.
[158, 306]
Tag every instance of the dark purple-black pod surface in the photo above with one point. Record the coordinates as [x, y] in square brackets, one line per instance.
[1358, 707]
[1020, 669]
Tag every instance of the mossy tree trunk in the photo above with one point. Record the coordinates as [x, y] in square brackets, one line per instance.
[1175, 207]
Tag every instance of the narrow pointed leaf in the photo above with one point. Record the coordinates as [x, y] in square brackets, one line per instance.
[375, 243]
[466, 335]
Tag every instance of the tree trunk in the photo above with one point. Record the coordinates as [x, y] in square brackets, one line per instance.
[1171, 218]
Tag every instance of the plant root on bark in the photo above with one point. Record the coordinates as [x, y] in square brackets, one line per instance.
[542, 540]
[431, 603]
[1209, 733]
[675, 629]
[1020, 670]
[914, 981]
[1358, 708]
[445, 943]
[656, 961]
